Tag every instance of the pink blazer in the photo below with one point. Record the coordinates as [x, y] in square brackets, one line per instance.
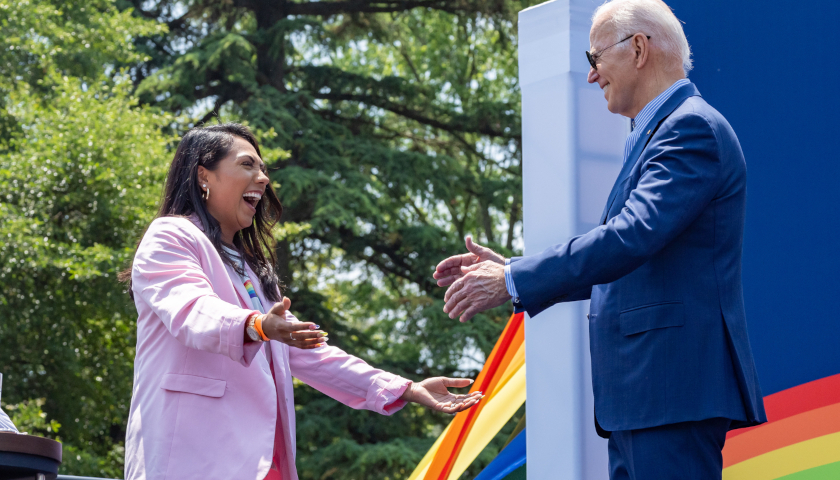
[204, 405]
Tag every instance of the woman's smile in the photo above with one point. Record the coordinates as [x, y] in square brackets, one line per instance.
[251, 199]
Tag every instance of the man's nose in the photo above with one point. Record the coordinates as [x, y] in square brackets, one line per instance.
[593, 75]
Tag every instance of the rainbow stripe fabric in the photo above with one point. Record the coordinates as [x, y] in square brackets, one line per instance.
[800, 441]
[246, 280]
[255, 300]
[502, 380]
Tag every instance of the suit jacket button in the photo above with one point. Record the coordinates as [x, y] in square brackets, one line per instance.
[587, 316]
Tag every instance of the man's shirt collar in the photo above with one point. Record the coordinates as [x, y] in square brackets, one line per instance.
[640, 123]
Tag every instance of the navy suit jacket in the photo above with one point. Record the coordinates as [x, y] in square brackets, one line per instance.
[667, 328]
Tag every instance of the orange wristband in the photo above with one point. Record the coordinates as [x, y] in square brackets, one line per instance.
[258, 327]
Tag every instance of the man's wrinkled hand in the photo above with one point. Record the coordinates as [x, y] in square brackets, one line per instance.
[480, 288]
[449, 270]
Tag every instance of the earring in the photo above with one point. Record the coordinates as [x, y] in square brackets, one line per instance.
[206, 193]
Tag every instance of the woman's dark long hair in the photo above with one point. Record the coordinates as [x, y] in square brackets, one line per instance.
[182, 197]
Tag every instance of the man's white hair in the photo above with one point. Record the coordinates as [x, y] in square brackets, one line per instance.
[651, 17]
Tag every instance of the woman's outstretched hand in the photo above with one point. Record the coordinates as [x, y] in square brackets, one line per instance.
[304, 335]
[433, 393]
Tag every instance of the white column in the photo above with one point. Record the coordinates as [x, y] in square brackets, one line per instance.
[572, 149]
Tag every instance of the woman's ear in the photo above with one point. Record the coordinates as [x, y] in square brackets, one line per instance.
[202, 176]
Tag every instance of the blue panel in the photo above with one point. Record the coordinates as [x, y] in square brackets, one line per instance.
[24, 465]
[508, 460]
[771, 68]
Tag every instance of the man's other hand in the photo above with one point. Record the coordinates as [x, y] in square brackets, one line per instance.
[449, 270]
[480, 287]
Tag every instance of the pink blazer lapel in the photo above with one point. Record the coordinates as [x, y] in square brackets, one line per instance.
[244, 298]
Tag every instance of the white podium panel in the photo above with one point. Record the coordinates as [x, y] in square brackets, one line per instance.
[572, 148]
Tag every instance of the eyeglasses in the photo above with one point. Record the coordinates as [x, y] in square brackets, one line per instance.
[593, 58]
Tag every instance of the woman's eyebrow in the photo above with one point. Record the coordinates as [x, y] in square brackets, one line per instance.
[256, 159]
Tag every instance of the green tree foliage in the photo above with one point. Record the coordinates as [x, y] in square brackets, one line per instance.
[392, 130]
[74, 38]
[78, 186]
[80, 173]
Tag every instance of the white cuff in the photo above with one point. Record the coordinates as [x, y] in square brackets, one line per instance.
[511, 288]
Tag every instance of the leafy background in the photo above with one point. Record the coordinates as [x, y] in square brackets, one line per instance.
[391, 129]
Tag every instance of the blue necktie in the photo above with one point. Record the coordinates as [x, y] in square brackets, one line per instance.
[632, 124]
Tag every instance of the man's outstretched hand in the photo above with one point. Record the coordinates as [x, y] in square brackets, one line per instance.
[481, 288]
[476, 280]
[433, 393]
[449, 270]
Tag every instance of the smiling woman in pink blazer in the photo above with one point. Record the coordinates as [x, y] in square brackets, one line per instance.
[216, 345]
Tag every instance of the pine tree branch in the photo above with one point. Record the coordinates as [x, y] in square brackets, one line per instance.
[413, 102]
[387, 257]
[214, 112]
[420, 117]
[327, 9]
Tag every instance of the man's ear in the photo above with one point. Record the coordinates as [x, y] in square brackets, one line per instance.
[641, 47]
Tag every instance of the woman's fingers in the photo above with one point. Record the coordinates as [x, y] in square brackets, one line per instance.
[305, 337]
[457, 382]
[464, 397]
[307, 343]
[458, 405]
[301, 330]
[304, 334]
[285, 326]
[295, 334]
[468, 396]
[455, 407]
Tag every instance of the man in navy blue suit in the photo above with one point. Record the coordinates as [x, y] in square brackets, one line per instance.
[672, 368]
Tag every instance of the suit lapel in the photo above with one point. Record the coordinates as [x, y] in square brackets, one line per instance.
[675, 100]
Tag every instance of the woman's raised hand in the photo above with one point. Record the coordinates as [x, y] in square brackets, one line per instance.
[433, 393]
[303, 335]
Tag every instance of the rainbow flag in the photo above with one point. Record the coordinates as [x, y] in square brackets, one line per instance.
[800, 441]
[503, 382]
